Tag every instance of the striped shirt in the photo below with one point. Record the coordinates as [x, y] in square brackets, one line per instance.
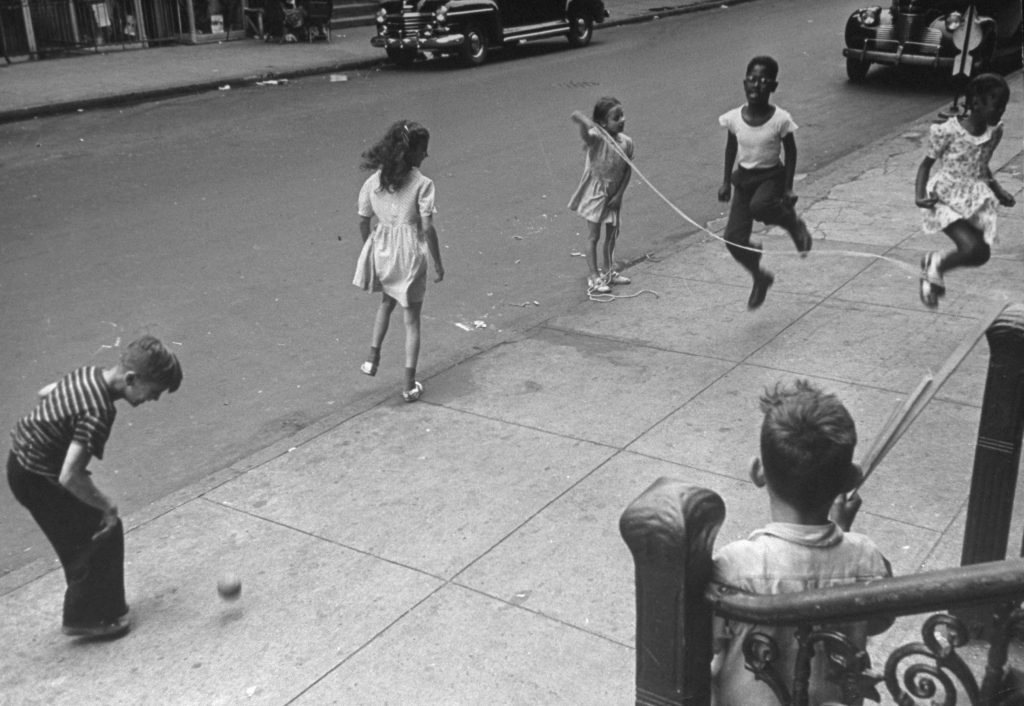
[79, 408]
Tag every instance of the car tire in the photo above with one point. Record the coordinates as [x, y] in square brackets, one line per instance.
[402, 57]
[581, 27]
[474, 50]
[856, 70]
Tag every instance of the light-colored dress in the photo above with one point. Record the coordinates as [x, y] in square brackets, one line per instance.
[394, 257]
[604, 172]
[960, 183]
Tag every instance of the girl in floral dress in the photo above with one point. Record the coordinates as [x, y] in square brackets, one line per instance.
[960, 199]
[598, 197]
[394, 255]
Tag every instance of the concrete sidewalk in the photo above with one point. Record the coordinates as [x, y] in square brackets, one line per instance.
[89, 81]
[465, 549]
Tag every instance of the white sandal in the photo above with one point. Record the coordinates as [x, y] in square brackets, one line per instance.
[413, 394]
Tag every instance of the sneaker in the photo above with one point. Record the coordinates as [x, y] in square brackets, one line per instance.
[614, 277]
[597, 285]
[802, 238]
[368, 368]
[414, 394]
[762, 282]
[100, 629]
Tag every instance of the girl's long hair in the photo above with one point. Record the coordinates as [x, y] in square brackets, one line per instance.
[391, 153]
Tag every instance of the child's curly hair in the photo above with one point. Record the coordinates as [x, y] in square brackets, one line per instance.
[391, 153]
[807, 442]
[988, 85]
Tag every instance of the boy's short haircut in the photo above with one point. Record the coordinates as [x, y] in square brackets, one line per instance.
[770, 64]
[149, 359]
[807, 442]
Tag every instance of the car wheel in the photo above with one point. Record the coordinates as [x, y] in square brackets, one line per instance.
[581, 28]
[402, 57]
[474, 49]
[857, 70]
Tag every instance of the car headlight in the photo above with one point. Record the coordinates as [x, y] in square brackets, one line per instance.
[441, 14]
[382, 16]
[868, 16]
[953, 21]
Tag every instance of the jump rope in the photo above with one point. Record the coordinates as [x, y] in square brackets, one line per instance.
[902, 415]
[915, 271]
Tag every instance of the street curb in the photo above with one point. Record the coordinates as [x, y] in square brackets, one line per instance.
[136, 97]
[835, 171]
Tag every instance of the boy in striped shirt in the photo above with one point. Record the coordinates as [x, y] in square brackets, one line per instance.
[46, 469]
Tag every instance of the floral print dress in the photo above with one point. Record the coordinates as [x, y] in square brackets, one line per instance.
[960, 184]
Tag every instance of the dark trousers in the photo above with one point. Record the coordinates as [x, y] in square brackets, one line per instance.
[756, 195]
[94, 570]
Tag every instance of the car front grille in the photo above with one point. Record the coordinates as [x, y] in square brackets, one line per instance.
[912, 32]
[410, 24]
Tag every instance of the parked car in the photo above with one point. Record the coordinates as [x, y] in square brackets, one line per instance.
[931, 33]
[470, 28]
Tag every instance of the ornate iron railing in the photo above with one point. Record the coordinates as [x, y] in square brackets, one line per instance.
[671, 529]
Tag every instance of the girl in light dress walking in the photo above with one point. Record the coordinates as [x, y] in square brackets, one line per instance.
[960, 199]
[598, 197]
[394, 255]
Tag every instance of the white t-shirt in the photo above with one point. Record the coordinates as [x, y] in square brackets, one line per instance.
[760, 146]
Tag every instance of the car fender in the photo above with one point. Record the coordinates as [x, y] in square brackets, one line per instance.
[463, 12]
[594, 8]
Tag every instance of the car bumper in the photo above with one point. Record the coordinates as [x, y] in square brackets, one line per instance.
[446, 42]
[899, 58]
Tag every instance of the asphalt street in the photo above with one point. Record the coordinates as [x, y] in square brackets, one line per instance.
[212, 221]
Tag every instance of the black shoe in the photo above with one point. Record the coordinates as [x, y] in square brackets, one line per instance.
[108, 629]
[759, 291]
[802, 238]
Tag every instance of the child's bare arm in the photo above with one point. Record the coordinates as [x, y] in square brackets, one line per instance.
[364, 228]
[432, 245]
[1004, 197]
[77, 480]
[731, 147]
[789, 150]
[585, 124]
[844, 510]
[921, 196]
[615, 199]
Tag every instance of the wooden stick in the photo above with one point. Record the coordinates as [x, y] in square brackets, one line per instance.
[916, 401]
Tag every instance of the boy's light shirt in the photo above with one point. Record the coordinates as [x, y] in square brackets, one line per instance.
[758, 147]
[785, 558]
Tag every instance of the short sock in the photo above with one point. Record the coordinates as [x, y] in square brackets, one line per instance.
[410, 378]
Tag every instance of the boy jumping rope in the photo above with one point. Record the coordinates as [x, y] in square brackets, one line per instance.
[806, 465]
[758, 133]
[48, 474]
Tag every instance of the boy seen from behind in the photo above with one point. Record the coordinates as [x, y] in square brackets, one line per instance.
[806, 465]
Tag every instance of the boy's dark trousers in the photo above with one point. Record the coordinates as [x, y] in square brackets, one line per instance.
[94, 570]
[756, 195]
